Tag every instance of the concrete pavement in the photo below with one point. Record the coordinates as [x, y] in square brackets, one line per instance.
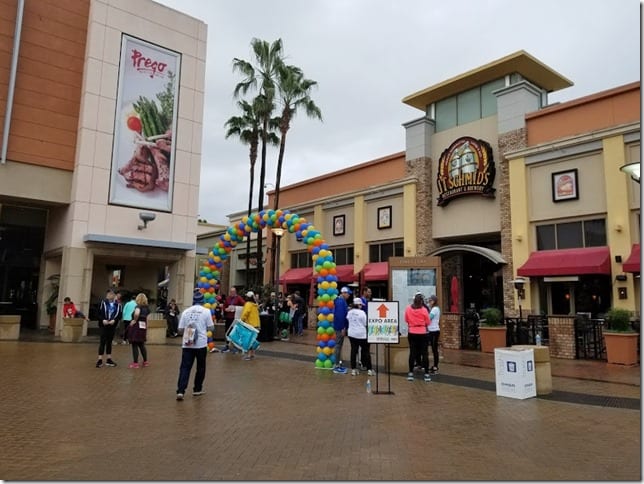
[278, 418]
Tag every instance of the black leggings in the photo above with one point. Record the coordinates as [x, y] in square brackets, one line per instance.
[365, 355]
[135, 352]
[105, 342]
[433, 342]
[418, 351]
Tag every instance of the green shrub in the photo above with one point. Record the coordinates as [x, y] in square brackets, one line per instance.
[619, 320]
[492, 317]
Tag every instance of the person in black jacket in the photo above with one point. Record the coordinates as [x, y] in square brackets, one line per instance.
[110, 312]
[172, 319]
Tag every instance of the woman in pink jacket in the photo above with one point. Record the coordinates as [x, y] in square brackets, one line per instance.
[417, 319]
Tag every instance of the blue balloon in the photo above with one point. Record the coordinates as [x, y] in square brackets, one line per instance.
[331, 343]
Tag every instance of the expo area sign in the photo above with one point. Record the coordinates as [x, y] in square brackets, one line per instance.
[382, 322]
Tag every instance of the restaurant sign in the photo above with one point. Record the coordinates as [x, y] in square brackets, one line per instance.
[465, 168]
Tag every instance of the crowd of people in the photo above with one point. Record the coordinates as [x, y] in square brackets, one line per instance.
[196, 323]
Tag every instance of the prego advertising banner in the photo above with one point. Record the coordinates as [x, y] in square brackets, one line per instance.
[143, 152]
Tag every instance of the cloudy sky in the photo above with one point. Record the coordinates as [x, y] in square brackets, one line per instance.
[366, 55]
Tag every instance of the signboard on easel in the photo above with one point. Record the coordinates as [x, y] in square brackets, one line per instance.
[382, 322]
[383, 328]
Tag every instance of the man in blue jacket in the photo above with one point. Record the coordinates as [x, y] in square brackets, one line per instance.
[340, 324]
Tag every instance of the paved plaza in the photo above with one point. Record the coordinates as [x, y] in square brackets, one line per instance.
[278, 418]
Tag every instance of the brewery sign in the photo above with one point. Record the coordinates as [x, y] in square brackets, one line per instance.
[465, 168]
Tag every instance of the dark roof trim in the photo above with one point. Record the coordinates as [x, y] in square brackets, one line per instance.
[117, 239]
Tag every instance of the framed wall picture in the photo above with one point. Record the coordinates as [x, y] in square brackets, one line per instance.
[384, 217]
[565, 185]
[338, 225]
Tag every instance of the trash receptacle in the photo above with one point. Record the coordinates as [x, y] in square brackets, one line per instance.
[267, 327]
[543, 372]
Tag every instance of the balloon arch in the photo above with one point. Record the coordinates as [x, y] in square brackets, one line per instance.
[324, 265]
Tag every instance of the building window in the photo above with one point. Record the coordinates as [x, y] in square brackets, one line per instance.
[382, 252]
[343, 255]
[467, 106]
[569, 235]
[301, 259]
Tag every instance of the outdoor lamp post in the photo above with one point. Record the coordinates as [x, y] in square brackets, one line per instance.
[519, 282]
[277, 232]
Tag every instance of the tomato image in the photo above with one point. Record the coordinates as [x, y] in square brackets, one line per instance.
[134, 123]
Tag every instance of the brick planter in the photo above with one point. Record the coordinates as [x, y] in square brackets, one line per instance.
[156, 331]
[492, 337]
[10, 327]
[72, 331]
[621, 348]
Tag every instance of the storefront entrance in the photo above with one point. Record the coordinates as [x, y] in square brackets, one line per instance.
[22, 232]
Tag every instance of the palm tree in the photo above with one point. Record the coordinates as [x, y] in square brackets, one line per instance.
[247, 128]
[262, 76]
[294, 93]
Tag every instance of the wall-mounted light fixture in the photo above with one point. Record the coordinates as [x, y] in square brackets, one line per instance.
[621, 277]
[145, 218]
[632, 169]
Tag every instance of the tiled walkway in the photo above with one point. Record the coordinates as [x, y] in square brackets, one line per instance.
[279, 418]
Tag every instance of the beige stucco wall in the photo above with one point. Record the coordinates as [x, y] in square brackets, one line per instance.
[591, 182]
[462, 216]
[89, 211]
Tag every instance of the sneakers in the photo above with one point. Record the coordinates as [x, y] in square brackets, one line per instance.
[146, 364]
[427, 377]
[246, 358]
[200, 392]
[179, 396]
[340, 370]
[410, 376]
[226, 350]
[370, 373]
[354, 372]
[214, 349]
[99, 363]
[109, 362]
[133, 365]
[433, 370]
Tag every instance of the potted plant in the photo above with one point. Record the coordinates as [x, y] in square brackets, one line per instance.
[491, 330]
[52, 301]
[620, 339]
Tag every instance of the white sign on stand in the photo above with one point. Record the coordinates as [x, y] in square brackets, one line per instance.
[382, 322]
[514, 371]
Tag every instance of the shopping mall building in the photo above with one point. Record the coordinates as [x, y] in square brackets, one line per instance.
[101, 106]
[497, 183]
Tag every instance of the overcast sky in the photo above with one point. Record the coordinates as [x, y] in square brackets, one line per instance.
[366, 55]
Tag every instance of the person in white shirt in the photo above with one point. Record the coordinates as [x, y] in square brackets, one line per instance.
[194, 325]
[434, 330]
[357, 332]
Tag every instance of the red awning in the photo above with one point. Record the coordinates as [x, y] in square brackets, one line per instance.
[632, 264]
[344, 273]
[300, 275]
[376, 271]
[567, 262]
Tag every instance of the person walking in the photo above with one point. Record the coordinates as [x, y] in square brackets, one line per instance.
[137, 331]
[172, 319]
[109, 315]
[194, 324]
[340, 324]
[434, 330]
[128, 311]
[250, 315]
[417, 319]
[357, 332]
[230, 305]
